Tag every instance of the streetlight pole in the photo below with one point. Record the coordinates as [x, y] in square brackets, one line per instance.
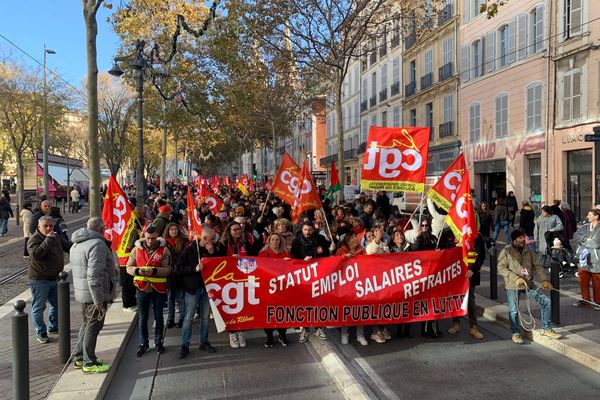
[45, 122]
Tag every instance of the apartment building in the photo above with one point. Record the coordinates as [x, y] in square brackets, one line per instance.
[431, 81]
[505, 98]
[576, 54]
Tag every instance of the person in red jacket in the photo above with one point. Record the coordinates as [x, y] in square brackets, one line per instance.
[275, 248]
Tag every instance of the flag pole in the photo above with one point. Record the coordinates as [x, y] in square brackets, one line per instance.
[327, 224]
[420, 205]
[440, 235]
[266, 201]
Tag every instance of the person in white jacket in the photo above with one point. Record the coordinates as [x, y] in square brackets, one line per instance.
[26, 215]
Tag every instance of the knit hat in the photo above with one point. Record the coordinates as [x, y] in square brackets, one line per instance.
[164, 209]
[516, 234]
[556, 242]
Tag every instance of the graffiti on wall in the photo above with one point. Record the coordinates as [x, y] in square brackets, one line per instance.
[489, 148]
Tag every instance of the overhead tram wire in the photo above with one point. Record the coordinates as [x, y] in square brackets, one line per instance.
[76, 89]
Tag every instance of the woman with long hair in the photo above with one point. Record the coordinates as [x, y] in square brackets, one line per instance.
[588, 237]
[176, 242]
[275, 248]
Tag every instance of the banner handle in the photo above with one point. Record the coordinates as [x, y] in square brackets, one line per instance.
[266, 201]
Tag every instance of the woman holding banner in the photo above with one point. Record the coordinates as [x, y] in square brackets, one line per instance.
[275, 248]
[349, 247]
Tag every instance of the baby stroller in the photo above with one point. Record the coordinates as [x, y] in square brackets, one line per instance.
[555, 253]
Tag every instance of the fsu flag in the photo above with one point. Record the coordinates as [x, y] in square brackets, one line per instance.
[214, 203]
[443, 193]
[286, 180]
[334, 182]
[118, 217]
[395, 159]
[194, 222]
[306, 196]
[461, 219]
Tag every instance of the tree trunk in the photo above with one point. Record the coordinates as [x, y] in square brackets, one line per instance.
[163, 160]
[340, 134]
[91, 29]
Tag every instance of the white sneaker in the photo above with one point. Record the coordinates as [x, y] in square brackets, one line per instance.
[361, 339]
[386, 334]
[320, 334]
[345, 338]
[233, 340]
[304, 334]
[241, 339]
[130, 309]
[376, 336]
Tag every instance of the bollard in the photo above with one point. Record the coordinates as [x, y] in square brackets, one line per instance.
[64, 318]
[17, 216]
[555, 294]
[493, 273]
[20, 344]
[63, 206]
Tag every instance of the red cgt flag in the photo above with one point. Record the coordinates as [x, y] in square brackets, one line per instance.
[213, 201]
[306, 196]
[461, 219]
[194, 222]
[443, 193]
[286, 180]
[395, 159]
[117, 215]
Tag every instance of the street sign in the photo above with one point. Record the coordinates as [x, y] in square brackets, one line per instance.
[591, 138]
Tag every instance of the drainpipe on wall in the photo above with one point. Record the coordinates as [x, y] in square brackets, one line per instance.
[549, 119]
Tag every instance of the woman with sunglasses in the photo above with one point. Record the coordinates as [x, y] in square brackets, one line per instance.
[425, 239]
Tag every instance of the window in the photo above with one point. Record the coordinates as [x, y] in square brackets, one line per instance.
[396, 70]
[384, 118]
[534, 107]
[429, 117]
[364, 130]
[374, 120]
[501, 114]
[503, 46]
[373, 84]
[396, 116]
[474, 122]
[356, 79]
[448, 51]
[476, 59]
[572, 18]
[384, 76]
[412, 71]
[364, 91]
[356, 113]
[448, 109]
[429, 61]
[536, 29]
[571, 102]
[412, 117]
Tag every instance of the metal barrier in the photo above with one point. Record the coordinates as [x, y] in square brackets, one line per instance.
[555, 294]
[64, 318]
[493, 273]
[20, 344]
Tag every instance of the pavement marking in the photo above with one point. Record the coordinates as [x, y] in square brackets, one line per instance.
[381, 385]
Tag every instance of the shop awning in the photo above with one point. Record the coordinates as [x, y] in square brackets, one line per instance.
[58, 173]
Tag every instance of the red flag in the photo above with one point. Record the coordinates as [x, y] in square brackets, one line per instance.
[443, 193]
[194, 222]
[461, 219]
[306, 196]
[214, 203]
[395, 159]
[286, 180]
[118, 217]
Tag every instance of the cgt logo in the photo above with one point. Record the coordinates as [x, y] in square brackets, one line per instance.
[462, 212]
[390, 159]
[229, 292]
[292, 182]
[451, 182]
[119, 223]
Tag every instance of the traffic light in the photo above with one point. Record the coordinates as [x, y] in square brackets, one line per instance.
[180, 174]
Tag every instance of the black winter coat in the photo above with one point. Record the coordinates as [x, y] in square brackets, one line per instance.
[191, 280]
[302, 247]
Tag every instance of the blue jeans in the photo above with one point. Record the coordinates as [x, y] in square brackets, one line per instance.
[504, 226]
[191, 300]
[175, 296]
[43, 291]
[144, 299]
[533, 294]
[4, 229]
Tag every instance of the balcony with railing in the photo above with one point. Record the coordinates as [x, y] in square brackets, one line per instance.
[426, 80]
[446, 71]
[431, 130]
[373, 57]
[363, 64]
[382, 50]
[326, 161]
[395, 89]
[410, 40]
[445, 14]
[383, 95]
[395, 41]
[364, 105]
[373, 101]
[410, 89]
[349, 154]
[446, 129]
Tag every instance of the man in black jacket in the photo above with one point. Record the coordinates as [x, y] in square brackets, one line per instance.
[45, 208]
[195, 291]
[46, 261]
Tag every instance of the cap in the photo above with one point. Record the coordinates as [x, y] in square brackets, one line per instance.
[516, 234]
[164, 209]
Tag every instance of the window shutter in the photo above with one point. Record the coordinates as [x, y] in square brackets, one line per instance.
[464, 63]
[498, 116]
[511, 41]
[522, 36]
[538, 107]
[480, 55]
[566, 98]
[576, 95]
[539, 29]
[490, 51]
[466, 11]
[576, 17]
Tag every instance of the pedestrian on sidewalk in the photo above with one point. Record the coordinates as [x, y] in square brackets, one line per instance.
[6, 212]
[588, 237]
[517, 264]
[26, 216]
[44, 209]
[512, 206]
[74, 200]
[206, 245]
[46, 261]
[501, 221]
[547, 227]
[128, 291]
[93, 285]
[150, 264]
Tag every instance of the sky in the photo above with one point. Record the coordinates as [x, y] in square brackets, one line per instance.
[60, 25]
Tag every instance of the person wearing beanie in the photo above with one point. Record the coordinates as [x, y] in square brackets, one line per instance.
[561, 255]
[161, 220]
[517, 264]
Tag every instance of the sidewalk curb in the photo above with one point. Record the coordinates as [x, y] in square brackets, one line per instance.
[571, 345]
[73, 383]
[350, 387]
